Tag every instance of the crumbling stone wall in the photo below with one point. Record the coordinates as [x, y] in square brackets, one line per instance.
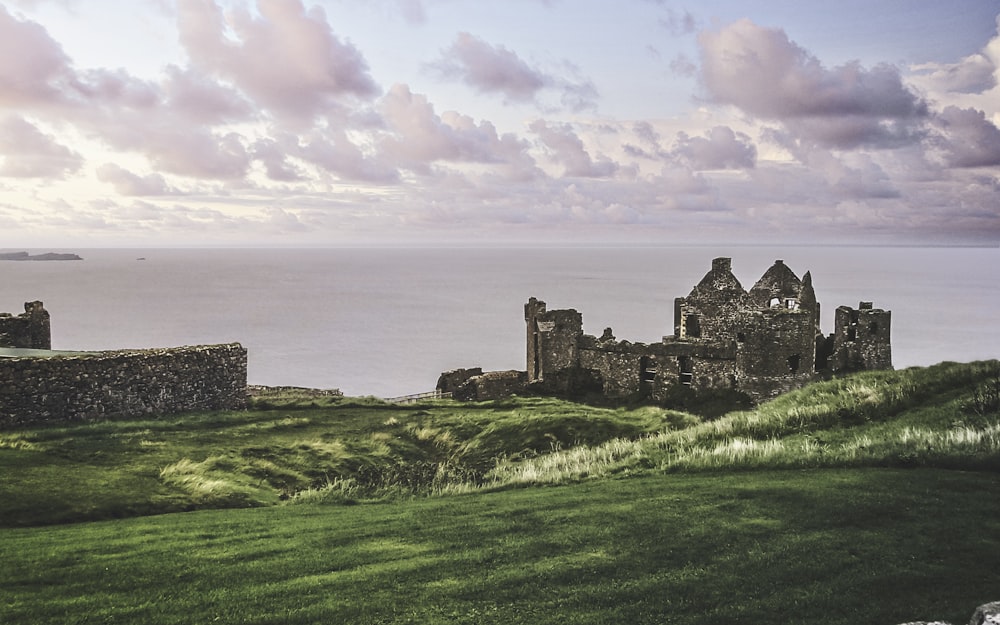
[491, 385]
[122, 384]
[451, 381]
[861, 339]
[29, 330]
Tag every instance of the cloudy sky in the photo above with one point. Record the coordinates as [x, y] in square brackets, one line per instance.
[488, 122]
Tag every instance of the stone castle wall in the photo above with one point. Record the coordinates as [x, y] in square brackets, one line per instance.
[29, 330]
[122, 384]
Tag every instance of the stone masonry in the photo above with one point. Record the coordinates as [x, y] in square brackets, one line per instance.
[762, 342]
[38, 385]
[29, 330]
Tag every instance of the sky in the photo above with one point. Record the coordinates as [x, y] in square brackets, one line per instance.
[491, 123]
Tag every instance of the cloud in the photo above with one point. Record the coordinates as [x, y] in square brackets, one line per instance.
[128, 183]
[568, 150]
[335, 153]
[720, 148]
[969, 139]
[418, 136]
[975, 73]
[33, 67]
[679, 24]
[413, 11]
[761, 72]
[495, 69]
[200, 98]
[287, 60]
[29, 153]
[275, 160]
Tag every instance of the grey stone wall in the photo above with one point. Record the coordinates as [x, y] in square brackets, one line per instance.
[29, 330]
[861, 339]
[122, 384]
[491, 385]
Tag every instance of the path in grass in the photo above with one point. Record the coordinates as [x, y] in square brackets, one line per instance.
[835, 546]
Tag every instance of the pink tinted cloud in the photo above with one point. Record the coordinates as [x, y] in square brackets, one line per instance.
[491, 68]
[720, 148]
[128, 183]
[203, 99]
[969, 139]
[419, 136]
[33, 66]
[567, 149]
[760, 71]
[287, 60]
[28, 153]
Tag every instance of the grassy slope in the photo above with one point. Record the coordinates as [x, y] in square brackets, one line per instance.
[834, 546]
[846, 537]
[128, 468]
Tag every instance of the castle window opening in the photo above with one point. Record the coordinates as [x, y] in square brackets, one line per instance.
[873, 327]
[792, 303]
[852, 333]
[774, 303]
[534, 353]
[693, 327]
[686, 375]
[793, 363]
[647, 367]
[741, 337]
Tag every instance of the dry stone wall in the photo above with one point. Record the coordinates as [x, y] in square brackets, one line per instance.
[121, 384]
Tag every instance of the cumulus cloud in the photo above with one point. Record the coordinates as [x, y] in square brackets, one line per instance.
[128, 183]
[760, 71]
[720, 148]
[419, 136]
[969, 139]
[568, 150]
[29, 153]
[287, 60]
[333, 152]
[203, 99]
[33, 67]
[975, 73]
[496, 69]
[275, 160]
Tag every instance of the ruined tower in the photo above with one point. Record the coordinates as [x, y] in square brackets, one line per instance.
[29, 330]
[861, 339]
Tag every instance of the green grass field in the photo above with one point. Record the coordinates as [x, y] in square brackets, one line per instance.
[872, 499]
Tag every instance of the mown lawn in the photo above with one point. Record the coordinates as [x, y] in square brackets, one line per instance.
[832, 546]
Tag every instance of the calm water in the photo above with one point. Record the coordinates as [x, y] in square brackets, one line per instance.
[387, 322]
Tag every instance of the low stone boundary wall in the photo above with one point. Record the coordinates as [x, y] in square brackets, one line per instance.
[121, 384]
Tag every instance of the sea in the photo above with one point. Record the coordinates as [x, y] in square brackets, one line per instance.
[387, 321]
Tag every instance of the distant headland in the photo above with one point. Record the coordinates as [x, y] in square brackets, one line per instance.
[46, 256]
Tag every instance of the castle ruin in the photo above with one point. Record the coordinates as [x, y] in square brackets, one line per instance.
[761, 342]
[29, 330]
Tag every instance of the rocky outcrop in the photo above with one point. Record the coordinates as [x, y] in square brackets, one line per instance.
[986, 614]
[46, 256]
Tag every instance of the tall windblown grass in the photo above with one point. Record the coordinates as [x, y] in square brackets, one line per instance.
[777, 434]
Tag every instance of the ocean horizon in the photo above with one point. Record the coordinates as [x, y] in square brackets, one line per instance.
[387, 321]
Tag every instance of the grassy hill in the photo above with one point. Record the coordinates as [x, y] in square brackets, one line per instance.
[869, 499]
